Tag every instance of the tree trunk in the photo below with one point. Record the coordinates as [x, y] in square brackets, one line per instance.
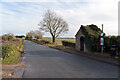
[53, 38]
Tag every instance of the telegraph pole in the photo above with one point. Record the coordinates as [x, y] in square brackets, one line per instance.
[102, 28]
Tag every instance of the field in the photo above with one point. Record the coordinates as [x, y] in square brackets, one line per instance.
[59, 40]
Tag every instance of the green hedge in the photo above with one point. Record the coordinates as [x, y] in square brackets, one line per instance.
[41, 41]
[69, 44]
[11, 52]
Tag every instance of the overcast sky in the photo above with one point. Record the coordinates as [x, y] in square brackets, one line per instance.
[21, 16]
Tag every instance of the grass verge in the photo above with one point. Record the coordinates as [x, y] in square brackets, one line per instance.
[11, 53]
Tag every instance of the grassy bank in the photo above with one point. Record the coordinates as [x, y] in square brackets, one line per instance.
[11, 51]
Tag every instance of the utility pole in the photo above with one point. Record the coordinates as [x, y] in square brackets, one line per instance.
[102, 28]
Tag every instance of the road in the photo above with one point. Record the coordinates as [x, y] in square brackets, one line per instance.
[45, 62]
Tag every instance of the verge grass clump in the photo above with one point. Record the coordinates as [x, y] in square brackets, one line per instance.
[11, 52]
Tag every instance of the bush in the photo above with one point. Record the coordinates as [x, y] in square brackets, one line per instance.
[5, 51]
[11, 52]
[69, 44]
[42, 41]
[38, 37]
[29, 37]
[8, 37]
[34, 34]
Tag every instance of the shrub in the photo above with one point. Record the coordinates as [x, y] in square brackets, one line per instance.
[6, 51]
[28, 37]
[44, 42]
[69, 44]
[38, 37]
[34, 34]
[8, 37]
[11, 52]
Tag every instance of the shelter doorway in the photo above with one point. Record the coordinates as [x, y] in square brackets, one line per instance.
[81, 43]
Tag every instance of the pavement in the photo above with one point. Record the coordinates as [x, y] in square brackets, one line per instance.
[13, 70]
[45, 62]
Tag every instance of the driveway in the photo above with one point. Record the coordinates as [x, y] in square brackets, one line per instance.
[45, 62]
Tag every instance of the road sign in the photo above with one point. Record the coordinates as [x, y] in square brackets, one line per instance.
[101, 41]
[101, 34]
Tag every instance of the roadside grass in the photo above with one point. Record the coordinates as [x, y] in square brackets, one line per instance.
[104, 55]
[11, 52]
[12, 59]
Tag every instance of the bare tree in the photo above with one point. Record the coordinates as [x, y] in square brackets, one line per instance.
[38, 34]
[53, 24]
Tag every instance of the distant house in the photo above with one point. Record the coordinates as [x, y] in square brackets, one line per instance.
[85, 37]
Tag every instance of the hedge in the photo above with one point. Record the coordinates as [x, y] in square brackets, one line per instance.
[11, 52]
[41, 41]
[69, 44]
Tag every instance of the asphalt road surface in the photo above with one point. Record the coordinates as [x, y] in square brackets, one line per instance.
[45, 62]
